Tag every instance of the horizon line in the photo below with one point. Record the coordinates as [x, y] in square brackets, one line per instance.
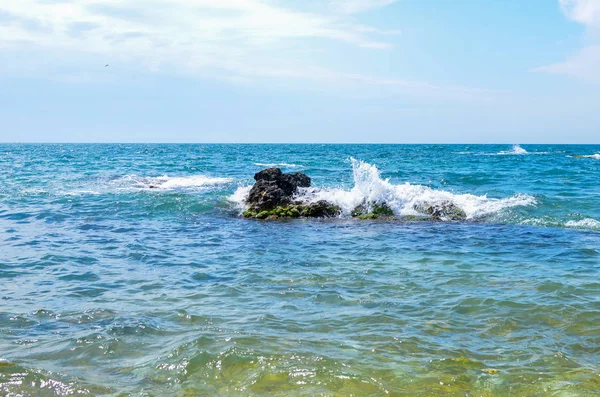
[284, 143]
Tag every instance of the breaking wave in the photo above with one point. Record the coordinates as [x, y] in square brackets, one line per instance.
[168, 182]
[403, 199]
[587, 223]
[591, 156]
[516, 149]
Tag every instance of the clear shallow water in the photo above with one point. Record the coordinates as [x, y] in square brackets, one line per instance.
[110, 287]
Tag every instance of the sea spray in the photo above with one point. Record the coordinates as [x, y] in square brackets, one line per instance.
[516, 149]
[404, 199]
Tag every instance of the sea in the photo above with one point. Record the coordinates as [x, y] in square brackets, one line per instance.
[128, 270]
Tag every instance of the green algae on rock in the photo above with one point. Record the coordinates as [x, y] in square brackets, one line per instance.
[319, 209]
[444, 211]
[372, 210]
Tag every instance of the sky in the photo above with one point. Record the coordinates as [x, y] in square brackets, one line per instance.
[327, 71]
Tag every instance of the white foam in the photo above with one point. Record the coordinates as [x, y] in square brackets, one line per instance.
[278, 165]
[239, 197]
[587, 223]
[169, 182]
[166, 182]
[516, 149]
[593, 156]
[82, 192]
[402, 199]
[33, 191]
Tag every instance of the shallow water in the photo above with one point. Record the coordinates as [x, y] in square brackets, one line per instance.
[127, 270]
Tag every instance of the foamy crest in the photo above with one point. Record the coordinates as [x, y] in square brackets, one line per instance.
[406, 198]
[516, 149]
[167, 182]
[592, 156]
[587, 223]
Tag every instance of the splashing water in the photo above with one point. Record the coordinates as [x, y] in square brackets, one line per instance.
[516, 149]
[403, 199]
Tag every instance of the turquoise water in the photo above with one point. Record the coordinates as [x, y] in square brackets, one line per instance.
[109, 287]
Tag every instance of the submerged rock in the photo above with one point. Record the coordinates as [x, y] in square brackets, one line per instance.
[271, 197]
[444, 211]
[372, 210]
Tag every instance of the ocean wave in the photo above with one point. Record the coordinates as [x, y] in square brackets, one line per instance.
[279, 165]
[516, 149]
[590, 156]
[403, 199]
[238, 198]
[168, 182]
[587, 223]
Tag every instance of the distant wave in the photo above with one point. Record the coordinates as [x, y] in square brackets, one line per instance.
[402, 199]
[587, 223]
[279, 165]
[516, 149]
[591, 156]
[168, 182]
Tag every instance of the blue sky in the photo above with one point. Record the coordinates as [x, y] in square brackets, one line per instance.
[393, 71]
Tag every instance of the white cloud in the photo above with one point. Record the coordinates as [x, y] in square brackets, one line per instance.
[197, 33]
[356, 6]
[586, 12]
[585, 63]
[239, 41]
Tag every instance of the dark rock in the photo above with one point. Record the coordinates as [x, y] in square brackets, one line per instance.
[369, 215]
[274, 188]
[288, 183]
[320, 209]
[444, 211]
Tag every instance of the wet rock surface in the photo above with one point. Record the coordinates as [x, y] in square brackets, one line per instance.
[273, 188]
[271, 197]
[444, 211]
[372, 210]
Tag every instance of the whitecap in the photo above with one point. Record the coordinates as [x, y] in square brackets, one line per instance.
[82, 192]
[587, 223]
[516, 149]
[592, 156]
[168, 182]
